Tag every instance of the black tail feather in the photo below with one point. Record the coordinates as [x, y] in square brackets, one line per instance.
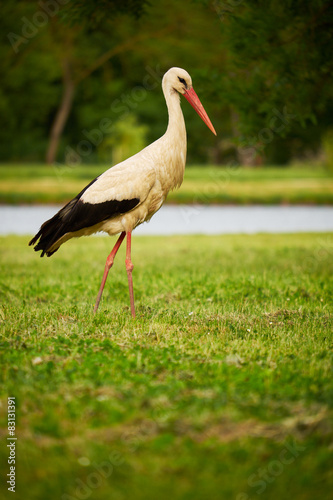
[49, 233]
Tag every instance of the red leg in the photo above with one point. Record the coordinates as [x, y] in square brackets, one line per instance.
[108, 265]
[129, 269]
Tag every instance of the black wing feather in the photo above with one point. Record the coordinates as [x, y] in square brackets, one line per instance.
[77, 215]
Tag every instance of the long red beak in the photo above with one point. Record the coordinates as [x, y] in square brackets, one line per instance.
[194, 100]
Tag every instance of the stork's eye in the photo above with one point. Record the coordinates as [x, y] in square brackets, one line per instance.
[182, 81]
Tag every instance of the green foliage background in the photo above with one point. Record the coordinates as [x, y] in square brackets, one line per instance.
[249, 60]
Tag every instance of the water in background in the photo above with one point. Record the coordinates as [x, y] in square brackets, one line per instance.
[193, 219]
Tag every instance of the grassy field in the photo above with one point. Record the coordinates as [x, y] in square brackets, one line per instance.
[267, 185]
[220, 389]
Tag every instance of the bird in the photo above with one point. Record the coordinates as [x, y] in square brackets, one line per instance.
[131, 192]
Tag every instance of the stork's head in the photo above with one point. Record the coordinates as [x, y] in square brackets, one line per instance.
[178, 80]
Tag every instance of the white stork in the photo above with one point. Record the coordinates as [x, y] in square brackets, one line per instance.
[131, 192]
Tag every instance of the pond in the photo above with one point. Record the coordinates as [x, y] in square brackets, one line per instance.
[193, 219]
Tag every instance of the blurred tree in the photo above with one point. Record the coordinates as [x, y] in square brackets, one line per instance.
[278, 69]
[74, 34]
[328, 148]
[67, 75]
[128, 137]
[80, 19]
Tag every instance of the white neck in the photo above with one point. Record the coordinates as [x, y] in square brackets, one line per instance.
[176, 125]
[174, 141]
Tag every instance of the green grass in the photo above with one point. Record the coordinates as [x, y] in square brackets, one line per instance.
[220, 389]
[239, 185]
